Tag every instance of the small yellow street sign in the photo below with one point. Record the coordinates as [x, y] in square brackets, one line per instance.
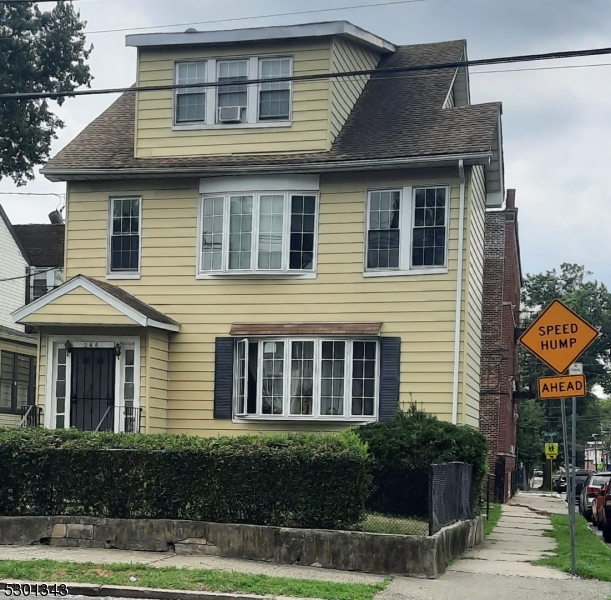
[551, 450]
[558, 337]
[562, 386]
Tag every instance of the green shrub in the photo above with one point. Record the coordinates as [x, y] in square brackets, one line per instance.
[298, 480]
[403, 449]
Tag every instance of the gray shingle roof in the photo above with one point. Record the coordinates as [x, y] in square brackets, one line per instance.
[44, 244]
[144, 309]
[396, 116]
[26, 337]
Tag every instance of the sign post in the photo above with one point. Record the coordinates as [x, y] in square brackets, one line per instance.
[558, 337]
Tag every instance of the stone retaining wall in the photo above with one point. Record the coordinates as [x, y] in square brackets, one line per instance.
[418, 556]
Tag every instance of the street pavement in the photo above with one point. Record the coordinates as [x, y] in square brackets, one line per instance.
[499, 568]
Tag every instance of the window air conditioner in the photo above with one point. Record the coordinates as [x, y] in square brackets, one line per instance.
[230, 114]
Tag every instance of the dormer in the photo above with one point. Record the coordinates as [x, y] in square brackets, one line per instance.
[249, 118]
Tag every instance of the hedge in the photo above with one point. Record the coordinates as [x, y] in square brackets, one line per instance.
[296, 480]
[403, 449]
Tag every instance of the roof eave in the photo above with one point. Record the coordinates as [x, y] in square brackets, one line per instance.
[258, 34]
[469, 158]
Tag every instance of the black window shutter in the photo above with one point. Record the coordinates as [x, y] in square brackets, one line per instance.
[390, 373]
[223, 377]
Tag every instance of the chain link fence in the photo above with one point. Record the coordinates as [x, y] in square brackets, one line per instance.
[419, 501]
[451, 495]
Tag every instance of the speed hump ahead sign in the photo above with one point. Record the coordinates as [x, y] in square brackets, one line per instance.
[551, 450]
[558, 337]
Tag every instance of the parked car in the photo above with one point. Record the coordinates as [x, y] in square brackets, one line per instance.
[559, 483]
[598, 505]
[538, 473]
[604, 516]
[590, 490]
[581, 475]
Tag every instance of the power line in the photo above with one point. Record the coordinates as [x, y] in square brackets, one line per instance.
[318, 76]
[251, 17]
[60, 196]
[26, 276]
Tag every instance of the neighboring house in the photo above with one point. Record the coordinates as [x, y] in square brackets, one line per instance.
[274, 256]
[500, 323]
[25, 250]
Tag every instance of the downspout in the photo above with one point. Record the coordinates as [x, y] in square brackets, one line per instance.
[459, 268]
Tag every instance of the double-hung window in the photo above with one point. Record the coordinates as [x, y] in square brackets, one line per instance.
[125, 233]
[407, 230]
[191, 102]
[268, 232]
[17, 381]
[232, 96]
[231, 100]
[306, 378]
[275, 96]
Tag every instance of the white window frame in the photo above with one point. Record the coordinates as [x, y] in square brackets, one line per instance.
[316, 399]
[91, 341]
[51, 277]
[254, 271]
[252, 91]
[202, 90]
[110, 274]
[407, 203]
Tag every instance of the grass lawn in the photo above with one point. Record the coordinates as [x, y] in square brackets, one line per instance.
[493, 519]
[184, 579]
[593, 557]
[375, 523]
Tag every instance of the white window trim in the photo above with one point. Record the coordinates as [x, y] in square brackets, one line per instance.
[123, 274]
[50, 274]
[406, 216]
[82, 341]
[254, 271]
[252, 109]
[315, 416]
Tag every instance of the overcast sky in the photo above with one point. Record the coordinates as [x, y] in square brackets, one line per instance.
[556, 122]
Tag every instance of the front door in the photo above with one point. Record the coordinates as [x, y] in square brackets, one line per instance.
[92, 393]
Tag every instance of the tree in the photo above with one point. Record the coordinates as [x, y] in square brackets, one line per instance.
[39, 52]
[530, 434]
[591, 300]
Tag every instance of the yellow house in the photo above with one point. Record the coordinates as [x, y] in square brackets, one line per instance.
[285, 234]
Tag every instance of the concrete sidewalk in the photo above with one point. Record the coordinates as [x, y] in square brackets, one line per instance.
[500, 567]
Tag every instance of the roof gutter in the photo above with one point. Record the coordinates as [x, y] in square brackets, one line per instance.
[459, 275]
[249, 169]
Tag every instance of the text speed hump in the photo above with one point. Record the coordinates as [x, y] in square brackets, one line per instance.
[558, 336]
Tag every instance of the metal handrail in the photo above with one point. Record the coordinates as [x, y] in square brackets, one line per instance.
[97, 429]
[26, 414]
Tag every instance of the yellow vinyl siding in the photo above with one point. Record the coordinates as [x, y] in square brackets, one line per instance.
[347, 56]
[80, 307]
[26, 349]
[154, 135]
[419, 308]
[157, 381]
[476, 213]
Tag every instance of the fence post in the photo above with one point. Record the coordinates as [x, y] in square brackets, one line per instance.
[488, 498]
[431, 509]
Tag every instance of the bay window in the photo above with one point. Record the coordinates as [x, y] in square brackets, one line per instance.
[299, 378]
[267, 232]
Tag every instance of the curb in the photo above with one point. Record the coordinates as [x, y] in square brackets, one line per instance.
[119, 591]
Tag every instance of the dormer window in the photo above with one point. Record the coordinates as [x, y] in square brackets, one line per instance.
[238, 103]
[191, 102]
[232, 100]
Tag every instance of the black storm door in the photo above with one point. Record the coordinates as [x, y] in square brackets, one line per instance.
[92, 395]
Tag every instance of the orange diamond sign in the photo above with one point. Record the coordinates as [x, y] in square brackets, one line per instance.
[558, 337]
